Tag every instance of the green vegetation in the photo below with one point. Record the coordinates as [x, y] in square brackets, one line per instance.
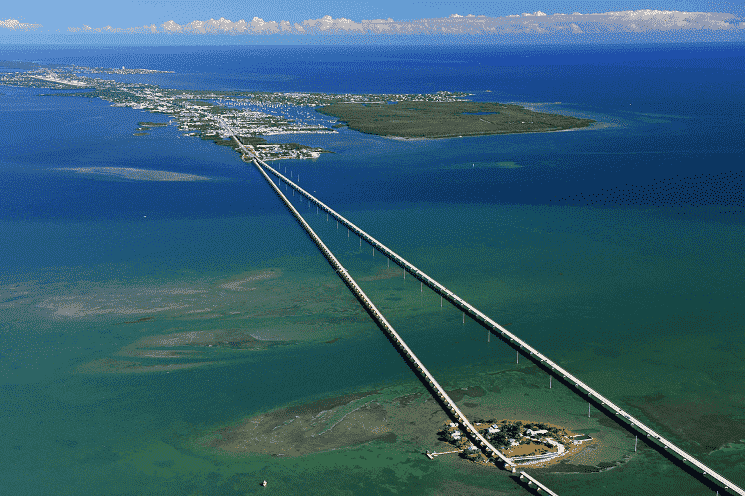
[428, 119]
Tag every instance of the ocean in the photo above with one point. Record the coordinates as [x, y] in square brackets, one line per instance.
[616, 250]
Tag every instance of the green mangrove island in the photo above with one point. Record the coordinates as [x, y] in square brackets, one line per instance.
[432, 119]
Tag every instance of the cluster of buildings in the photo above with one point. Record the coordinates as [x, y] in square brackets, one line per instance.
[523, 443]
[199, 112]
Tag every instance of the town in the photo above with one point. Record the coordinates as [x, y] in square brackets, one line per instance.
[251, 114]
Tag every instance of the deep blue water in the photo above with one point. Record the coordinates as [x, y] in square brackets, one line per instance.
[697, 153]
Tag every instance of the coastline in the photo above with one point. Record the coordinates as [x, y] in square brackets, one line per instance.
[594, 126]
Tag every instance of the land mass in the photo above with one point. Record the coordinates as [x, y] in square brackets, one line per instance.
[433, 119]
[256, 114]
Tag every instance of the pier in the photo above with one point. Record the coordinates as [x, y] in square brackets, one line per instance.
[521, 347]
[432, 455]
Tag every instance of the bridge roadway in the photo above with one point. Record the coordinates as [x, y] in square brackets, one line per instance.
[514, 341]
[531, 480]
[381, 321]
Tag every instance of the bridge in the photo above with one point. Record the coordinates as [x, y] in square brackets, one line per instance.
[538, 486]
[511, 339]
[386, 327]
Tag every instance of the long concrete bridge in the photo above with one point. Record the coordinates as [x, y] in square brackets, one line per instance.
[511, 339]
[381, 321]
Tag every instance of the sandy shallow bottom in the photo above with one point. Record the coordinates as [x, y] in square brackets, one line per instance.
[218, 321]
[415, 419]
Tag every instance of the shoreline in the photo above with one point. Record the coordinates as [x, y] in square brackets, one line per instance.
[454, 119]
[594, 126]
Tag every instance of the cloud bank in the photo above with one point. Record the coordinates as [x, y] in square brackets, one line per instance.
[16, 25]
[631, 21]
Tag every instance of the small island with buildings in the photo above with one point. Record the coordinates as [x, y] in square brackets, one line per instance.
[524, 443]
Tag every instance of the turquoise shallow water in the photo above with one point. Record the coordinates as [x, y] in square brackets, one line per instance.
[638, 297]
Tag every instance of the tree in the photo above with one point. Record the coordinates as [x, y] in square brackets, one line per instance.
[499, 439]
[512, 430]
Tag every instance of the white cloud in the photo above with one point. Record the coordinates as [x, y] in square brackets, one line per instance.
[328, 24]
[15, 24]
[537, 22]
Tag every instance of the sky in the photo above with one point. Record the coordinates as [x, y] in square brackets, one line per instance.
[488, 19]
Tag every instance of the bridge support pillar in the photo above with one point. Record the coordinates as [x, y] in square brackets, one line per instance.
[636, 441]
[517, 356]
[550, 380]
[588, 410]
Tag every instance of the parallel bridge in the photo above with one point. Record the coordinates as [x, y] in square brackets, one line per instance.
[511, 339]
[521, 346]
[384, 325]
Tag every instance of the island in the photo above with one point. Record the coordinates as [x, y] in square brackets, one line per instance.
[524, 443]
[451, 119]
[255, 115]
